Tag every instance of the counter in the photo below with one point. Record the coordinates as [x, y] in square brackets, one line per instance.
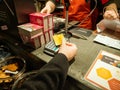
[87, 52]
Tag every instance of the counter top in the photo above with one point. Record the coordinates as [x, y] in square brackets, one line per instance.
[87, 52]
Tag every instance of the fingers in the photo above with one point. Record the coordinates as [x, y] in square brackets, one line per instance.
[46, 10]
[49, 11]
[43, 10]
[110, 14]
[68, 49]
[49, 7]
[63, 41]
[69, 44]
[66, 43]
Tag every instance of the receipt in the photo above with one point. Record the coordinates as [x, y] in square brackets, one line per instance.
[107, 41]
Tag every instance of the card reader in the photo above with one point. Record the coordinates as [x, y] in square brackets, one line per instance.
[50, 48]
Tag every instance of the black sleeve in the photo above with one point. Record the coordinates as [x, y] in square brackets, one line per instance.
[50, 77]
[117, 2]
[100, 6]
[109, 2]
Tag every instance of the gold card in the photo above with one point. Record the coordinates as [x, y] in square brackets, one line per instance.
[58, 39]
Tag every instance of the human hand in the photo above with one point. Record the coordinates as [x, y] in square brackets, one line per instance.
[111, 14]
[46, 9]
[68, 49]
[49, 7]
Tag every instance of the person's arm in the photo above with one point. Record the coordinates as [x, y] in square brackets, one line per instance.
[111, 12]
[52, 76]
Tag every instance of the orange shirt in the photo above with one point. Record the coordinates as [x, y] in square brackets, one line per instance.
[78, 10]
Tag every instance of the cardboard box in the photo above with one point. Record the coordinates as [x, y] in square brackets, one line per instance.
[51, 33]
[50, 21]
[32, 35]
[37, 41]
[30, 29]
[48, 35]
[42, 19]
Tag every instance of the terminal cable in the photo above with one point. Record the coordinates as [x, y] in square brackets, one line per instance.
[88, 14]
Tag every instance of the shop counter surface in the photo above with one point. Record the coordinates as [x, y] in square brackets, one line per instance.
[87, 52]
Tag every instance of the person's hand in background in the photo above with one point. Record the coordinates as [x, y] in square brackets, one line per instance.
[49, 7]
[68, 49]
[111, 12]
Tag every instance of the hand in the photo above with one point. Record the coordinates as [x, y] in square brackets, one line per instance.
[46, 9]
[68, 49]
[111, 14]
[49, 7]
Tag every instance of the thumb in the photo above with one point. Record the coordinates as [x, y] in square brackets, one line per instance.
[63, 41]
[48, 11]
[43, 10]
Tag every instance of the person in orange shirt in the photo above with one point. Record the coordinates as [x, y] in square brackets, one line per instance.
[80, 10]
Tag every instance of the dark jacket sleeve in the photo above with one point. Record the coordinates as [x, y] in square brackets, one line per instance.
[50, 77]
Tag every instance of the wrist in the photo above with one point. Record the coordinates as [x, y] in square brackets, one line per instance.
[50, 5]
